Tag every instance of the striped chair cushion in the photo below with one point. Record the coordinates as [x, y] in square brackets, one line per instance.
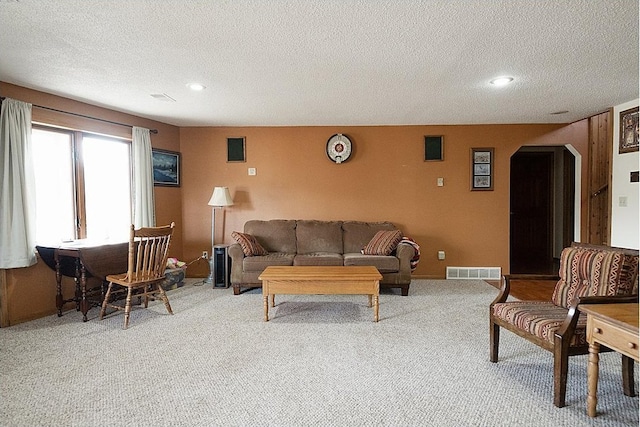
[589, 272]
[539, 318]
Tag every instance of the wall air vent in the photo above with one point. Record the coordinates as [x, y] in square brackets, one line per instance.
[474, 273]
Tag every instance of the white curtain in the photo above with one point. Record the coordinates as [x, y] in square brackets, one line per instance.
[144, 214]
[17, 187]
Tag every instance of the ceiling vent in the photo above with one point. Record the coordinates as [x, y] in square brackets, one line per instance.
[163, 97]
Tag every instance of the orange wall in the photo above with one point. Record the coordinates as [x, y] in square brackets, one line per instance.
[385, 179]
[28, 293]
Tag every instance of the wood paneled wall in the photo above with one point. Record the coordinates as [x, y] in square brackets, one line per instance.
[600, 152]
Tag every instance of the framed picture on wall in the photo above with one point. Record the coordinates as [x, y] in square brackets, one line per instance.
[166, 168]
[481, 169]
[629, 131]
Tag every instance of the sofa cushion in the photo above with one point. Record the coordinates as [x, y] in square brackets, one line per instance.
[383, 243]
[259, 263]
[357, 234]
[318, 258]
[384, 264]
[589, 272]
[249, 244]
[277, 235]
[540, 318]
[319, 236]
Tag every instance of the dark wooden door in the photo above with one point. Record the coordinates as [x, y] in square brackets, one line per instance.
[531, 235]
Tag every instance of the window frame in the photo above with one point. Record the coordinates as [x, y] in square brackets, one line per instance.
[78, 183]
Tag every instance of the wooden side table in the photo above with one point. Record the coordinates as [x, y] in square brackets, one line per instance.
[614, 326]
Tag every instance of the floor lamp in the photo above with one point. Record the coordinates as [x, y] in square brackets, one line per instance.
[219, 199]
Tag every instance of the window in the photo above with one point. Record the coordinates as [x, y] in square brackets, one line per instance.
[83, 186]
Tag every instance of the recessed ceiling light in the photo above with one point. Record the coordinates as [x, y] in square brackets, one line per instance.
[501, 81]
[196, 86]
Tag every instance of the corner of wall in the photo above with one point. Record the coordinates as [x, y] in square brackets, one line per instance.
[625, 195]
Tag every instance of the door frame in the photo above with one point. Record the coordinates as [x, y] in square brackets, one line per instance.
[577, 198]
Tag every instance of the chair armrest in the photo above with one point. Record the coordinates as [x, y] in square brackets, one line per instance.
[569, 325]
[617, 299]
[505, 289]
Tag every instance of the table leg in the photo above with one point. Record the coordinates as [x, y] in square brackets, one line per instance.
[273, 300]
[266, 307]
[376, 305]
[370, 300]
[592, 378]
[59, 299]
[84, 304]
[77, 281]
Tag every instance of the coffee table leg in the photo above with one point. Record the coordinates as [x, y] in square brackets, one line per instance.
[376, 304]
[273, 300]
[370, 299]
[265, 299]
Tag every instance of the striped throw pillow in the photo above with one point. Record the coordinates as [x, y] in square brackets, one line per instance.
[383, 243]
[249, 244]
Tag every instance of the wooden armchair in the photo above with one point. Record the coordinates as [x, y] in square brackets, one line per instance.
[588, 274]
[148, 253]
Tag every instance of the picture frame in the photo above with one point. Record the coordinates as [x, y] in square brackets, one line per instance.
[482, 169]
[236, 149]
[166, 168]
[433, 148]
[629, 129]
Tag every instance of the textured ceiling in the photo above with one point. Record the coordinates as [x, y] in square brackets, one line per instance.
[334, 62]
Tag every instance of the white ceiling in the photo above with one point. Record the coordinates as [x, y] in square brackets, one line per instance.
[333, 62]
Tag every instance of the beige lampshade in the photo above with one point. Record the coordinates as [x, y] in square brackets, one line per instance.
[221, 197]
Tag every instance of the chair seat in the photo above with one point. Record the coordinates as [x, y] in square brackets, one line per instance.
[541, 319]
[121, 279]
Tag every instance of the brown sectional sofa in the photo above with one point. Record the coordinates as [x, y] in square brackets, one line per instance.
[310, 242]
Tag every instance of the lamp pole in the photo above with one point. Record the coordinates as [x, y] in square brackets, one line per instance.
[219, 199]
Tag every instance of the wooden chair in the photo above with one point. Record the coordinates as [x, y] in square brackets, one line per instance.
[148, 252]
[590, 274]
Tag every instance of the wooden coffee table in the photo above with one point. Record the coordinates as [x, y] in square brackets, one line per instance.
[339, 280]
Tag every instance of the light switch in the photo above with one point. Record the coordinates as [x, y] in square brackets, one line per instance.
[622, 201]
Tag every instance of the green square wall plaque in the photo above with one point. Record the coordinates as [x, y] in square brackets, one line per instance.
[235, 150]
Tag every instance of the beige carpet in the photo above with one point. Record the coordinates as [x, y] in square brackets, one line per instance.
[320, 361]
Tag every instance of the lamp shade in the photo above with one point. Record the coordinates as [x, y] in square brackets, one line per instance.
[221, 197]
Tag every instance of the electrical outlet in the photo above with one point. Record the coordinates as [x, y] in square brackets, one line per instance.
[441, 255]
[205, 255]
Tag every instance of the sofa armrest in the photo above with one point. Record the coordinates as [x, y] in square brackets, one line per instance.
[405, 253]
[237, 255]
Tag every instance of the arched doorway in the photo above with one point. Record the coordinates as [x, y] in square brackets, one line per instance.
[542, 207]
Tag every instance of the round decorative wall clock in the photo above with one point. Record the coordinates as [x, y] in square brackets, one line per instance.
[339, 148]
